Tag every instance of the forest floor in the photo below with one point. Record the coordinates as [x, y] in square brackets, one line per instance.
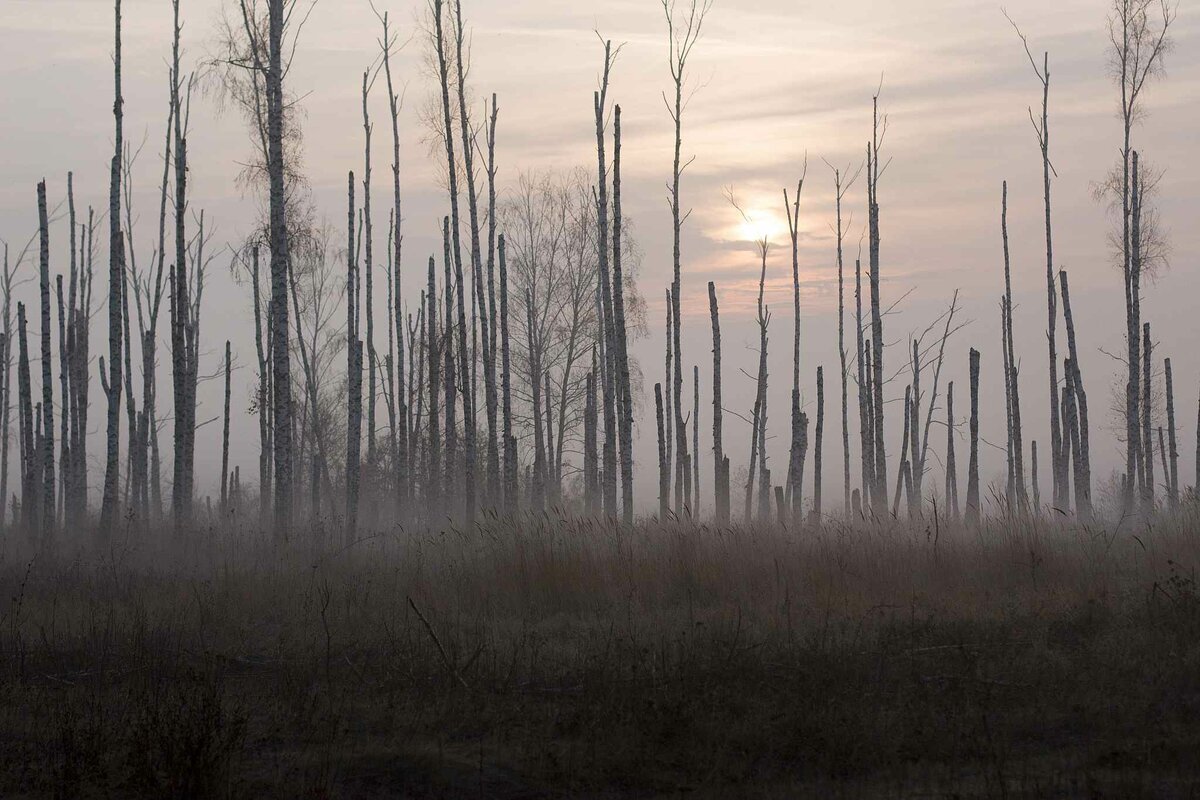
[570, 659]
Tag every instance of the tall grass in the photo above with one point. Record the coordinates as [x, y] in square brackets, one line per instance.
[574, 658]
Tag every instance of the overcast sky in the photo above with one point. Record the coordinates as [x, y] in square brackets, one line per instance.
[774, 80]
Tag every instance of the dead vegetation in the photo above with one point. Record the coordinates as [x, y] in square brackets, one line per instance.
[582, 659]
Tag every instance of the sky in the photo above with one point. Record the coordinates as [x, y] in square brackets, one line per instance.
[774, 84]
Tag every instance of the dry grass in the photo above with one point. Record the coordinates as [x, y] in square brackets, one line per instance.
[571, 659]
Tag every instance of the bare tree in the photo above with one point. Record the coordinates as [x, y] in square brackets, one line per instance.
[792, 209]
[609, 397]
[116, 269]
[621, 342]
[1011, 375]
[1042, 130]
[720, 460]
[972, 515]
[1139, 40]
[47, 420]
[1173, 452]
[1083, 467]
[683, 31]
[842, 184]
[874, 172]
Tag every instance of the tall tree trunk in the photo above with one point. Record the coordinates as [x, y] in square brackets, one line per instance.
[225, 436]
[1173, 451]
[28, 443]
[873, 172]
[589, 441]
[116, 247]
[720, 462]
[353, 371]
[264, 398]
[664, 478]
[842, 351]
[400, 400]
[47, 440]
[451, 378]
[1133, 452]
[469, 397]
[1147, 425]
[608, 389]
[973, 465]
[951, 465]
[539, 452]
[668, 383]
[819, 440]
[621, 343]
[493, 452]
[1013, 372]
[696, 440]
[433, 345]
[865, 417]
[793, 214]
[510, 442]
[468, 496]
[280, 264]
[368, 269]
[1083, 468]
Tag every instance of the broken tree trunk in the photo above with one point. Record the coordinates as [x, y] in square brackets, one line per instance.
[1173, 451]
[972, 513]
[720, 463]
[1083, 464]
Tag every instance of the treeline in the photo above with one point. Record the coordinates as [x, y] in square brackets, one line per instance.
[507, 385]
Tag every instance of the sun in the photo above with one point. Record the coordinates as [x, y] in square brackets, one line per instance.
[759, 223]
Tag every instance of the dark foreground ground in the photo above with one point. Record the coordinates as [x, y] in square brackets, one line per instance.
[562, 661]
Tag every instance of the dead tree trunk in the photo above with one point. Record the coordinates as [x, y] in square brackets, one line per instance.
[865, 417]
[450, 377]
[681, 43]
[510, 441]
[873, 172]
[720, 462]
[608, 392]
[108, 510]
[589, 441]
[972, 513]
[664, 477]
[539, 452]
[1013, 371]
[667, 382]
[264, 402]
[495, 481]
[839, 191]
[1083, 464]
[819, 439]
[6, 386]
[621, 342]
[400, 400]
[951, 465]
[433, 346]
[353, 371]
[470, 428]
[468, 496]
[793, 220]
[1173, 451]
[47, 422]
[695, 440]
[30, 485]
[225, 436]
[1147, 426]
[368, 269]
[280, 265]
